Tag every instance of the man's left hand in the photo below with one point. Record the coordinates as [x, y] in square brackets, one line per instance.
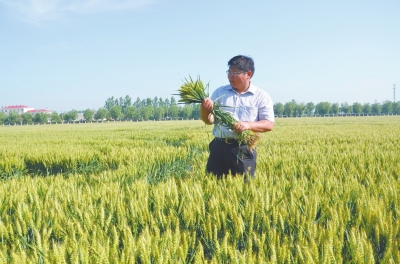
[239, 127]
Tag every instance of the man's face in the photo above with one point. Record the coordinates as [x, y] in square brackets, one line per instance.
[238, 79]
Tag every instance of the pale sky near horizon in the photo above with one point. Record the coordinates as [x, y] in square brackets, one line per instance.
[65, 55]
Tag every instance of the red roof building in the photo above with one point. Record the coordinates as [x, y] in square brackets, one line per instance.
[20, 109]
[34, 111]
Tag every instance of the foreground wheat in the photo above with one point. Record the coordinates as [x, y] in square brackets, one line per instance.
[193, 91]
[327, 191]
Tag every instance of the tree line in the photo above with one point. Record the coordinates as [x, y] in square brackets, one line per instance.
[124, 108]
[146, 109]
[292, 109]
[113, 109]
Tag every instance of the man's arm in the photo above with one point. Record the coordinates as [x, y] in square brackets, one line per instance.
[259, 126]
[206, 111]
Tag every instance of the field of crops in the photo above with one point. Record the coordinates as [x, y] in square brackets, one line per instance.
[327, 190]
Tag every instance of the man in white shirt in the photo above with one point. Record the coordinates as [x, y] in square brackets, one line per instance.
[251, 106]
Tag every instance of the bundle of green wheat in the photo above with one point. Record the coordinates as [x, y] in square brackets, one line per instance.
[193, 91]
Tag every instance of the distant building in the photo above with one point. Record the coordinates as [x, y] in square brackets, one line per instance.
[20, 109]
[35, 111]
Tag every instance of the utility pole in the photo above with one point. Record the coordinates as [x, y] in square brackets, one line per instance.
[394, 93]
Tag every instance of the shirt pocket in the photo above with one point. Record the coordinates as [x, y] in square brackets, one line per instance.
[248, 114]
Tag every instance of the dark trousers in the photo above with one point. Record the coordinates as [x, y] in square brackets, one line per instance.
[228, 157]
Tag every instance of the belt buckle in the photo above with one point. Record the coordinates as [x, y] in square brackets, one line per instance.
[228, 140]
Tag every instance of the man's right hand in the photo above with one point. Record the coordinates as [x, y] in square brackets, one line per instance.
[206, 111]
[207, 104]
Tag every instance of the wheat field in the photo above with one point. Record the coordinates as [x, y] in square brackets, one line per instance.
[327, 190]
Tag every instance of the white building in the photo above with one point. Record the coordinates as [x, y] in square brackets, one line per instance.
[20, 109]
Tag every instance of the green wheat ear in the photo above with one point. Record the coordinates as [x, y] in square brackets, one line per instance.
[194, 91]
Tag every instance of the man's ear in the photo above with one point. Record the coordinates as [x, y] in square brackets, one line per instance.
[249, 74]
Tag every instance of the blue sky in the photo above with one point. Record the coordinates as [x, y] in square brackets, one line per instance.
[65, 55]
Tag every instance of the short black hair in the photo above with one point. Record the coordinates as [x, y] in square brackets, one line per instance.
[243, 63]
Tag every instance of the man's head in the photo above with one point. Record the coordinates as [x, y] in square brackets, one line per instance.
[241, 69]
[242, 63]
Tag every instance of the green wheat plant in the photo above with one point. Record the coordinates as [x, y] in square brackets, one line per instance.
[194, 92]
[327, 190]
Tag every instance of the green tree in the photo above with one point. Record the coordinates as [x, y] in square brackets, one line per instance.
[196, 111]
[387, 107]
[127, 102]
[27, 119]
[174, 109]
[357, 108]
[323, 108]
[278, 109]
[161, 103]
[396, 108]
[3, 118]
[73, 115]
[334, 109]
[164, 104]
[55, 118]
[187, 111]
[367, 109]
[65, 117]
[131, 113]
[116, 112]
[167, 104]
[345, 108]
[300, 109]
[88, 115]
[13, 118]
[101, 114]
[146, 111]
[41, 118]
[289, 108]
[310, 108]
[147, 101]
[376, 108]
[158, 113]
[110, 102]
[154, 103]
[137, 103]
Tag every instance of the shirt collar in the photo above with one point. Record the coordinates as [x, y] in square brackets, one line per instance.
[251, 89]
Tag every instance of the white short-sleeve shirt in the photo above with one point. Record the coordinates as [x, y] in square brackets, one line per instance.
[250, 106]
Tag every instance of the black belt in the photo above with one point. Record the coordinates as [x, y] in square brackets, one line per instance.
[228, 140]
